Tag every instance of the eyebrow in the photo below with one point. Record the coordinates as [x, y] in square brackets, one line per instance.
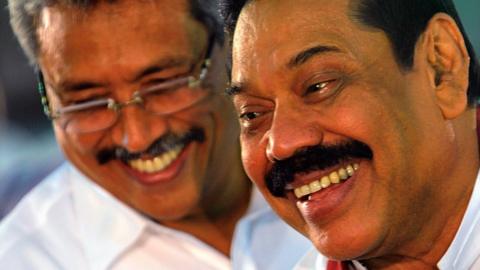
[297, 60]
[74, 86]
[307, 54]
[160, 66]
[233, 90]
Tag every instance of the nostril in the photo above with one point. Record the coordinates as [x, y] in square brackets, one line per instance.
[273, 159]
[270, 154]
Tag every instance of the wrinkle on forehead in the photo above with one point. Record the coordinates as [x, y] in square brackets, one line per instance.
[245, 35]
[260, 33]
[112, 13]
[116, 40]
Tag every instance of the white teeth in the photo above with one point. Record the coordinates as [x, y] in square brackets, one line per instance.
[158, 161]
[350, 170]
[305, 189]
[334, 177]
[149, 166]
[156, 164]
[343, 174]
[171, 155]
[325, 182]
[315, 186]
[298, 193]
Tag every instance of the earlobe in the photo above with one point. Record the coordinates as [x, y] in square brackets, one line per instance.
[449, 62]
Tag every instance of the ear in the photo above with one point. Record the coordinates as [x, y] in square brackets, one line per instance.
[448, 63]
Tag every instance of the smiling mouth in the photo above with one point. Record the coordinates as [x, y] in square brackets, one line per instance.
[157, 163]
[328, 180]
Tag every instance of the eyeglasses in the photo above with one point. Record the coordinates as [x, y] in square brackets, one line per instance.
[161, 99]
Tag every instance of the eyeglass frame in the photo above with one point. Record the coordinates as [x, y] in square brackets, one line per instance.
[192, 81]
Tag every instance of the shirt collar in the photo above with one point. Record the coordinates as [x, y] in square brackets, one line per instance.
[257, 202]
[461, 254]
[107, 227]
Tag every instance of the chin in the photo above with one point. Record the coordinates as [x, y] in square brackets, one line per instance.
[341, 244]
[167, 208]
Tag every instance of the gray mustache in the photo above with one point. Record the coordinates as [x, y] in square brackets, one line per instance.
[162, 144]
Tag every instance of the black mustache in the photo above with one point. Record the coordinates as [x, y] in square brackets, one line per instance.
[162, 144]
[313, 158]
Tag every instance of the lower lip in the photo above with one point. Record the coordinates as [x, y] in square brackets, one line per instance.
[163, 176]
[326, 204]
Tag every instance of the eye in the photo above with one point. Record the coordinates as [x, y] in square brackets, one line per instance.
[253, 113]
[251, 122]
[320, 89]
[165, 86]
[320, 86]
[157, 81]
[82, 100]
[248, 116]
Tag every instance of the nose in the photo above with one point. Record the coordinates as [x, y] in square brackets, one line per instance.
[293, 128]
[137, 129]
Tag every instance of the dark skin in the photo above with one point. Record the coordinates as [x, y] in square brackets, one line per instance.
[130, 45]
[396, 212]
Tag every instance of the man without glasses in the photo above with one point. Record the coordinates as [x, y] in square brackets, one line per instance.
[358, 126]
[154, 179]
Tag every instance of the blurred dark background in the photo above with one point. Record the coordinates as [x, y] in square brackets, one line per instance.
[28, 151]
[27, 145]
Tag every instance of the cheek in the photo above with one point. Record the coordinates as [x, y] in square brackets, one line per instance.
[254, 159]
[227, 118]
[80, 143]
[353, 120]
[256, 164]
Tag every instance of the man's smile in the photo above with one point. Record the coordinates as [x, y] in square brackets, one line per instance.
[336, 176]
[162, 151]
[326, 194]
[158, 163]
[330, 164]
[161, 168]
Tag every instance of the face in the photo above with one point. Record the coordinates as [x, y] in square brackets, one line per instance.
[113, 50]
[367, 142]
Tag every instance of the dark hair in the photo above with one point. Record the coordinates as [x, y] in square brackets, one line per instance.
[24, 16]
[403, 21]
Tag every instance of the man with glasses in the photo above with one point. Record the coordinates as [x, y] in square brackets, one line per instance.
[154, 179]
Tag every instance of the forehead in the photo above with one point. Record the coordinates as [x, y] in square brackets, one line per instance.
[118, 31]
[276, 30]
[300, 14]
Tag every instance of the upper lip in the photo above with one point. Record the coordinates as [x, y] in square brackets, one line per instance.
[149, 153]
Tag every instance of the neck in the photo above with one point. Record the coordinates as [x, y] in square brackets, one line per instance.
[216, 230]
[432, 242]
[214, 222]
[433, 238]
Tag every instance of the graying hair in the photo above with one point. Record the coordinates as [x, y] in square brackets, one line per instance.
[24, 19]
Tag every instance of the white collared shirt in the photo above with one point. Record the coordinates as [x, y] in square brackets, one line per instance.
[265, 242]
[69, 222]
[463, 253]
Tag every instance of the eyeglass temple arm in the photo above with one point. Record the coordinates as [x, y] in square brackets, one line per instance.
[211, 44]
[43, 93]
